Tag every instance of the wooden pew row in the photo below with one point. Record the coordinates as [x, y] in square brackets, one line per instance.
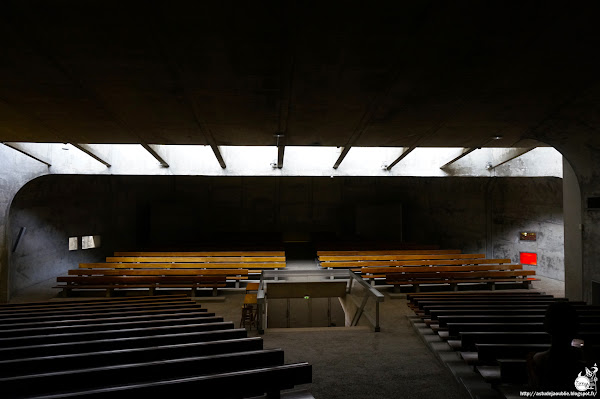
[389, 252]
[489, 307]
[119, 344]
[77, 351]
[65, 362]
[468, 275]
[435, 313]
[230, 274]
[145, 372]
[100, 315]
[57, 338]
[509, 370]
[196, 259]
[90, 301]
[255, 382]
[94, 306]
[469, 339]
[490, 353]
[485, 301]
[202, 254]
[95, 327]
[418, 261]
[413, 299]
[333, 260]
[184, 265]
[415, 305]
[443, 330]
[119, 282]
[68, 322]
[36, 313]
[466, 294]
[454, 329]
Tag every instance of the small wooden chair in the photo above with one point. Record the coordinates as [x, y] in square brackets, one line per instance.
[252, 287]
[249, 311]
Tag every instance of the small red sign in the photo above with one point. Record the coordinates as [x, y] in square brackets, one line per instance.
[529, 258]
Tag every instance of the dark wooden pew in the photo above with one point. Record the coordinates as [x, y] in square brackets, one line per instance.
[99, 315]
[246, 383]
[467, 294]
[469, 339]
[91, 327]
[99, 329]
[33, 312]
[454, 329]
[119, 343]
[135, 373]
[28, 324]
[434, 313]
[485, 318]
[93, 301]
[111, 283]
[484, 307]
[47, 339]
[64, 362]
[474, 298]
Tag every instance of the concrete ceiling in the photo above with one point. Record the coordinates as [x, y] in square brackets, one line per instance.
[412, 73]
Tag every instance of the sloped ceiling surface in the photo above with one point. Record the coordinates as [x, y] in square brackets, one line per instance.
[237, 73]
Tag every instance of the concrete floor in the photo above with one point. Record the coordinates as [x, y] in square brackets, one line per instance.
[397, 362]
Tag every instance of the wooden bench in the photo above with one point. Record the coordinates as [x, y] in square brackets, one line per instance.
[195, 259]
[466, 294]
[245, 383]
[435, 313]
[33, 324]
[469, 339]
[137, 332]
[93, 301]
[452, 275]
[386, 260]
[65, 362]
[82, 315]
[279, 254]
[118, 344]
[197, 318]
[82, 348]
[112, 282]
[321, 254]
[90, 307]
[143, 372]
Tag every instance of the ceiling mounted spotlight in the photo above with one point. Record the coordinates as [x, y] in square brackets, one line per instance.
[497, 137]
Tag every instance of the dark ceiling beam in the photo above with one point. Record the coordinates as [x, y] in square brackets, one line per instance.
[182, 79]
[280, 149]
[465, 152]
[405, 152]
[155, 151]
[288, 64]
[34, 43]
[86, 148]
[361, 127]
[22, 148]
[343, 154]
[513, 153]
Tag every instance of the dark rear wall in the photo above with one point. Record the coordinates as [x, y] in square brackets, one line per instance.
[473, 214]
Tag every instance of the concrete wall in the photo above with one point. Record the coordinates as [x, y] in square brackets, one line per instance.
[481, 215]
[16, 170]
[52, 209]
